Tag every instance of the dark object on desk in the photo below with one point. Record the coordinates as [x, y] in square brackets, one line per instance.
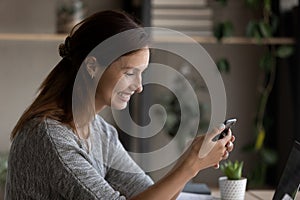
[290, 179]
[197, 188]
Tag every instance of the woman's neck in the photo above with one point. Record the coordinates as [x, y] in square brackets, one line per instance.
[83, 132]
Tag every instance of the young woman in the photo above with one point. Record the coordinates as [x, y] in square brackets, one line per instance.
[55, 156]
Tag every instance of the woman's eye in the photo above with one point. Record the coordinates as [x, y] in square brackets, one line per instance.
[129, 74]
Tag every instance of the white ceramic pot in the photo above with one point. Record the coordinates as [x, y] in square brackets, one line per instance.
[232, 189]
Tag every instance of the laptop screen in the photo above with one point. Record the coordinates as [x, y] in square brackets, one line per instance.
[290, 179]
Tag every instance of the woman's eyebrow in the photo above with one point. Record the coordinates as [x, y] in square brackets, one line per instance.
[127, 67]
[130, 68]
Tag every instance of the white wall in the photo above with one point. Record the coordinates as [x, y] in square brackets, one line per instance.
[24, 64]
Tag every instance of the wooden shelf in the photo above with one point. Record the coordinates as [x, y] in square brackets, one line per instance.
[32, 37]
[163, 39]
[229, 40]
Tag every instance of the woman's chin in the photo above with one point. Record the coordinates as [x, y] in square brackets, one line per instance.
[119, 106]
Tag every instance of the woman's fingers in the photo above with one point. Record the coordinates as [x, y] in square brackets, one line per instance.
[229, 146]
[215, 151]
[216, 131]
[217, 166]
[228, 141]
[226, 155]
[208, 144]
[232, 138]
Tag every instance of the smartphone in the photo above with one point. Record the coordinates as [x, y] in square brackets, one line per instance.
[228, 124]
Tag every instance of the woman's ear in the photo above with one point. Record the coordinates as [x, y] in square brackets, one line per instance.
[91, 65]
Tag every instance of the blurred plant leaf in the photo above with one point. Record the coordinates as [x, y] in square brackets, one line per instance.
[223, 29]
[269, 156]
[251, 27]
[267, 62]
[222, 2]
[258, 175]
[223, 65]
[227, 29]
[284, 51]
[252, 3]
[268, 6]
[218, 31]
[274, 23]
[260, 139]
[252, 30]
[265, 29]
[248, 147]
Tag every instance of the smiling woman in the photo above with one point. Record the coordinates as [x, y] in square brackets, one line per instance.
[62, 149]
[121, 80]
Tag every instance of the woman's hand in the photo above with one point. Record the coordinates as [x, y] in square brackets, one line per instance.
[201, 153]
[204, 152]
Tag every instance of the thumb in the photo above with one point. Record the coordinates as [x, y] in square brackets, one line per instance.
[208, 144]
[214, 134]
[227, 138]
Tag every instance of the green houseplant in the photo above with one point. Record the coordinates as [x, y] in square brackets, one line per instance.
[264, 26]
[232, 185]
[233, 171]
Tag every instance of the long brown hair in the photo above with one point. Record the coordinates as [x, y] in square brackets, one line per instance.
[54, 98]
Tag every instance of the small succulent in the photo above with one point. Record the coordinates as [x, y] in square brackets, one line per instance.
[233, 170]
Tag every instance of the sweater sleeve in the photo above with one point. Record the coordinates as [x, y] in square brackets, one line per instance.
[123, 173]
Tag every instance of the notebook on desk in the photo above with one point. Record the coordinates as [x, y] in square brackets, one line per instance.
[197, 188]
[195, 191]
[288, 185]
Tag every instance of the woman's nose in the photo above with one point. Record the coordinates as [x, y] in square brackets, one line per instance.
[139, 89]
[137, 85]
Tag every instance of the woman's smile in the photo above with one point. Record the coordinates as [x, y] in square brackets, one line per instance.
[124, 96]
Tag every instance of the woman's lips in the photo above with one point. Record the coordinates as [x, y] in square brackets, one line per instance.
[124, 96]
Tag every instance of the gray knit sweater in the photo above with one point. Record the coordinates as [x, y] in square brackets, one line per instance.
[47, 161]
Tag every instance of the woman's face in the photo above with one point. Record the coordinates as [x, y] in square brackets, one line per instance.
[121, 80]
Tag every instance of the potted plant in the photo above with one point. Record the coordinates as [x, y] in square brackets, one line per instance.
[69, 13]
[3, 171]
[232, 185]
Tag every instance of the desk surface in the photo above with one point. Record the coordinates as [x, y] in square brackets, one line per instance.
[261, 194]
[254, 194]
[266, 194]
[248, 196]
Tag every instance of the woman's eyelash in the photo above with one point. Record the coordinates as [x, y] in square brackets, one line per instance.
[129, 74]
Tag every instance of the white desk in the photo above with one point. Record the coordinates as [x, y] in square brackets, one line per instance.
[248, 196]
[266, 194]
[262, 194]
[254, 194]
[215, 195]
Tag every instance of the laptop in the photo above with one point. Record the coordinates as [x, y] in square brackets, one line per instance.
[289, 182]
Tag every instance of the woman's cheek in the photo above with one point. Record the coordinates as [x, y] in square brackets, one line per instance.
[122, 84]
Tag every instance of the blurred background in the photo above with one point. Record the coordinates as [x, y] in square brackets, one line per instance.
[254, 43]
